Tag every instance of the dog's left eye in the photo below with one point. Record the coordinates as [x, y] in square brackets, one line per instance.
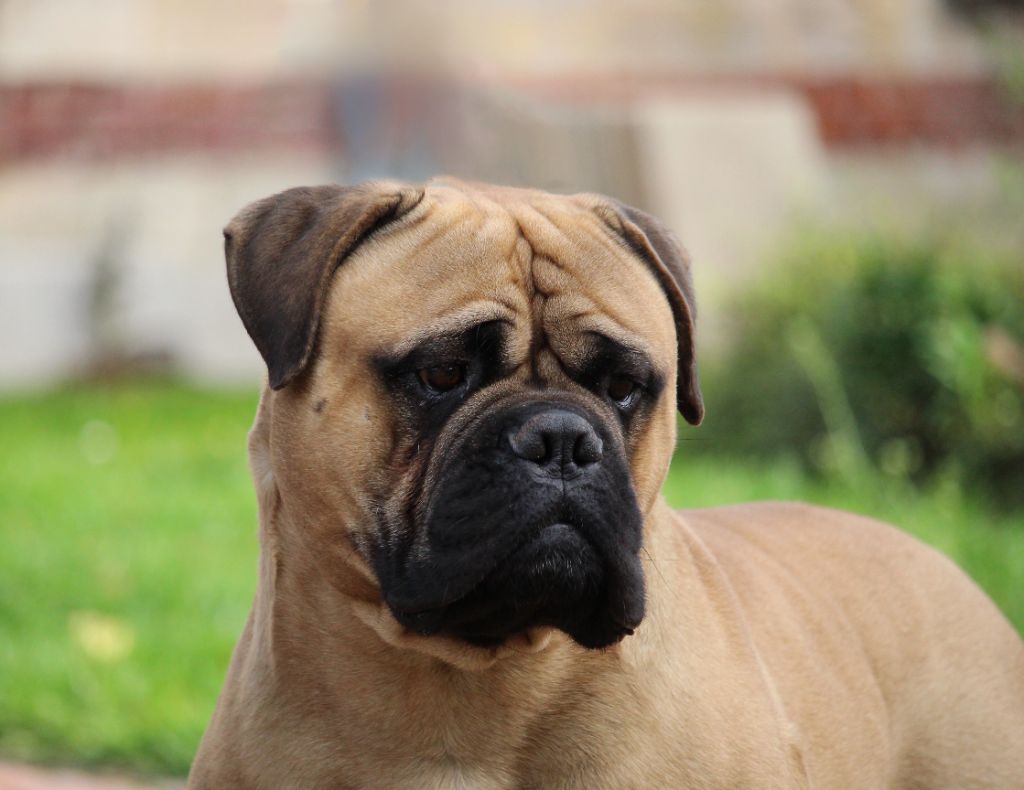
[442, 378]
[622, 390]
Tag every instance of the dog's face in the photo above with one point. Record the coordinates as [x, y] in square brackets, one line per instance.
[475, 390]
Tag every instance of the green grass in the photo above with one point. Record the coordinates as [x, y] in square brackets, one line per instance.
[124, 580]
[128, 560]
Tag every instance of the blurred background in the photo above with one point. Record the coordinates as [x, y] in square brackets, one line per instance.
[847, 175]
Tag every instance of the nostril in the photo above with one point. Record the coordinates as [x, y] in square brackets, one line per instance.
[529, 444]
[589, 449]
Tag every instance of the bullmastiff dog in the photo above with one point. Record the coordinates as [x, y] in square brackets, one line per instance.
[469, 577]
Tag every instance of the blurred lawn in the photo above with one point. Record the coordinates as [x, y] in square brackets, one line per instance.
[128, 528]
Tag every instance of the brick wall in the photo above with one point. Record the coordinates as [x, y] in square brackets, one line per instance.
[99, 121]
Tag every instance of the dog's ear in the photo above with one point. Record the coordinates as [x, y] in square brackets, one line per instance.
[662, 252]
[282, 252]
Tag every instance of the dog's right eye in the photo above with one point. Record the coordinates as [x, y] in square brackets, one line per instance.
[442, 378]
[621, 389]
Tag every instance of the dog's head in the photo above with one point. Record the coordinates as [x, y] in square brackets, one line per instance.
[474, 389]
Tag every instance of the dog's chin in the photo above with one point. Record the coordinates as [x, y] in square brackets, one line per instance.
[558, 579]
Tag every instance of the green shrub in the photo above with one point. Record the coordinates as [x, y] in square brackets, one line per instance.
[905, 354]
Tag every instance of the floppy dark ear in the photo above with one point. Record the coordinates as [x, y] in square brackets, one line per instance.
[665, 256]
[282, 252]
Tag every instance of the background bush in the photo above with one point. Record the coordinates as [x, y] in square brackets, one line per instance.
[907, 354]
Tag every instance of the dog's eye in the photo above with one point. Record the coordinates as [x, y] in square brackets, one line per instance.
[442, 378]
[622, 390]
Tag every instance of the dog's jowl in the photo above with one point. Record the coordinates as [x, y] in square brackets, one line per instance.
[468, 575]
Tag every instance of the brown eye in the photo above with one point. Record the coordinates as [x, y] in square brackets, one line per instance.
[442, 378]
[621, 389]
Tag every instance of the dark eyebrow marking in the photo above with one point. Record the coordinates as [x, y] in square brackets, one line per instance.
[609, 356]
[456, 324]
[617, 345]
[429, 350]
[454, 342]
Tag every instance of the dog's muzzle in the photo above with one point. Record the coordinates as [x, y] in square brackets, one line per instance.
[532, 521]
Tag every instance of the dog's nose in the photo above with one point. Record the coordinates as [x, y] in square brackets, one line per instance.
[558, 440]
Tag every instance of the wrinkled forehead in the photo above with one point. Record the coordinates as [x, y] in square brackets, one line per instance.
[464, 256]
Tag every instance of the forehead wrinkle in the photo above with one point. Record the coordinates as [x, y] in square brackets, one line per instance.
[573, 306]
[485, 220]
[456, 229]
[627, 305]
[471, 203]
[442, 232]
[466, 317]
[451, 210]
[545, 237]
[594, 304]
[413, 241]
[599, 233]
[561, 234]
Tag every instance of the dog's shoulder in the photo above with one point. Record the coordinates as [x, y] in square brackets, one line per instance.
[803, 537]
[833, 599]
[820, 556]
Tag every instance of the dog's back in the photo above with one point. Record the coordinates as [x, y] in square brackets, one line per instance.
[869, 633]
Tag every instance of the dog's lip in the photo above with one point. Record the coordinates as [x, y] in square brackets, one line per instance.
[426, 613]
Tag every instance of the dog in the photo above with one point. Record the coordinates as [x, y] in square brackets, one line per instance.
[468, 575]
